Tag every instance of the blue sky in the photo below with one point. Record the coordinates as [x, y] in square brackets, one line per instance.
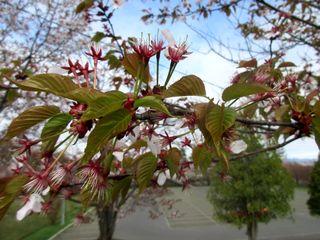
[209, 67]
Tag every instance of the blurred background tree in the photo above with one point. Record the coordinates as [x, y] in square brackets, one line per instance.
[254, 189]
[314, 190]
[264, 28]
[35, 37]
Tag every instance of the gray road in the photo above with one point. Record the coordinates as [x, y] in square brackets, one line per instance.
[195, 223]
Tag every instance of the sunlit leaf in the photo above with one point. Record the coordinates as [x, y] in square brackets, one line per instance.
[189, 85]
[50, 83]
[98, 36]
[29, 118]
[59, 85]
[286, 64]
[238, 90]
[133, 64]
[83, 95]
[248, 64]
[84, 5]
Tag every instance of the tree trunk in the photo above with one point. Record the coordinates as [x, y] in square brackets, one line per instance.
[107, 221]
[252, 230]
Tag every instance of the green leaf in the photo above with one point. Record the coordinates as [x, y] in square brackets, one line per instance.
[132, 62]
[109, 102]
[248, 64]
[286, 64]
[29, 118]
[84, 5]
[83, 95]
[173, 158]
[281, 112]
[12, 95]
[98, 36]
[113, 60]
[137, 145]
[238, 90]
[59, 85]
[50, 83]
[55, 125]
[108, 127]
[218, 120]
[201, 110]
[202, 158]
[10, 191]
[121, 188]
[146, 165]
[316, 129]
[153, 103]
[189, 85]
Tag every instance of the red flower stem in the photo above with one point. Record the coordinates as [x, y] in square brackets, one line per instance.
[87, 80]
[62, 142]
[59, 156]
[182, 134]
[95, 74]
[30, 167]
[54, 135]
[171, 70]
[138, 82]
[77, 78]
[158, 62]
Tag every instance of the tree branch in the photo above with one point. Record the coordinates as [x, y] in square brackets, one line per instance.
[266, 123]
[271, 148]
[289, 15]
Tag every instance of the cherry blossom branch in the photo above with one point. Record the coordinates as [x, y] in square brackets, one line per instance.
[266, 123]
[271, 148]
[177, 110]
[7, 87]
[289, 15]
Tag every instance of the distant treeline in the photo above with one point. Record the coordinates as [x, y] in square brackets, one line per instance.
[300, 172]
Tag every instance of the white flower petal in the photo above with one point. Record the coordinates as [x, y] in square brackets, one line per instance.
[117, 3]
[167, 173]
[23, 212]
[136, 133]
[36, 200]
[238, 146]
[155, 145]
[57, 70]
[32, 205]
[161, 179]
[121, 144]
[169, 37]
[118, 155]
[46, 191]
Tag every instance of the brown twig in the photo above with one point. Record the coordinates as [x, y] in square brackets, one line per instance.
[271, 148]
[289, 15]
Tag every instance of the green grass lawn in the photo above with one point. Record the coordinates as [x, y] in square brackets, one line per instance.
[35, 226]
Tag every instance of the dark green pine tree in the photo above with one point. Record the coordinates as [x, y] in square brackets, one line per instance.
[314, 190]
[255, 189]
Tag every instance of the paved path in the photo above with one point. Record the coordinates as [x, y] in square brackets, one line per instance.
[195, 224]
